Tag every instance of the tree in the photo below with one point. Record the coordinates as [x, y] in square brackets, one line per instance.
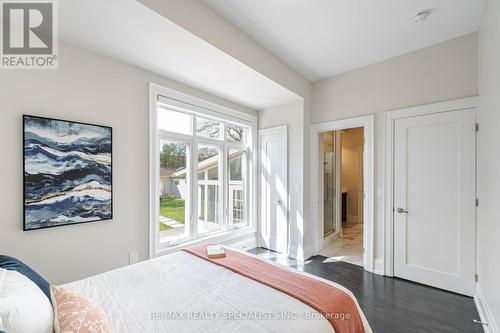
[235, 133]
[205, 152]
[173, 156]
[211, 129]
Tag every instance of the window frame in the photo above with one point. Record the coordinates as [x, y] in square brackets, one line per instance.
[180, 102]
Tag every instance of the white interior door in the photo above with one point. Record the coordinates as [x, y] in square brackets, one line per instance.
[434, 200]
[273, 189]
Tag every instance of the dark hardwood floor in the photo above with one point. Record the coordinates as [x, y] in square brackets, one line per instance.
[392, 305]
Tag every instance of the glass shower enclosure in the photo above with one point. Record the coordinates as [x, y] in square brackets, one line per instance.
[329, 182]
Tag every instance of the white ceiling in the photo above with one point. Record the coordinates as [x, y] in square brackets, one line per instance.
[128, 31]
[322, 38]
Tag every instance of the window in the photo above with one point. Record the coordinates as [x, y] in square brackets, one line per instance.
[202, 170]
[172, 121]
[173, 191]
[235, 133]
[209, 189]
[208, 128]
[237, 209]
[237, 172]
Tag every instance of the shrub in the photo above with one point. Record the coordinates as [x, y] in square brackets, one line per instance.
[169, 197]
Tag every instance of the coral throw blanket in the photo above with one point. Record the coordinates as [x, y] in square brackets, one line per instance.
[338, 307]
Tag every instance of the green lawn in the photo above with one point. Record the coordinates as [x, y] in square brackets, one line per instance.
[172, 209]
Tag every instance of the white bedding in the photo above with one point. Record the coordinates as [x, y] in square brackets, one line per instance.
[183, 293]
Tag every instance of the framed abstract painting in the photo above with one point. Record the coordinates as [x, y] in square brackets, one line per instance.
[67, 173]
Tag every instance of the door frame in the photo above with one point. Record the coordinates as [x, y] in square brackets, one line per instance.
[283, 131]
[361, 198]
[470, 103]
[367, 122]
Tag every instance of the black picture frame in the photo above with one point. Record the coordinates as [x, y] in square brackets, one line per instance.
[109, 216]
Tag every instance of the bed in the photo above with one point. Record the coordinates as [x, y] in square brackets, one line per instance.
[181, 292]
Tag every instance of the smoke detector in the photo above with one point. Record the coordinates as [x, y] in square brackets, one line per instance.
[421, 15]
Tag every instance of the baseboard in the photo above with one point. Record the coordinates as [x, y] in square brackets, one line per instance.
[485, 313]
[239, 237]
[330, 238]
[308, 252]
[299, 253]
[378, 266]
[245, 243]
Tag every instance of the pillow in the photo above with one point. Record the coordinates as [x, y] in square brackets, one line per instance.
[13, 264]
[76, 313]
[23, 307]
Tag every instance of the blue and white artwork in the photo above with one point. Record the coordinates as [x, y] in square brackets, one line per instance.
[67, 173]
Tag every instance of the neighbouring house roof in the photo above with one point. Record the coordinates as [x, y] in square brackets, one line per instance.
[208, 163]
[167, 172]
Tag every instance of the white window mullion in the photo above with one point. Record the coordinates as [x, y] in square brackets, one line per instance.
[252, 160]
[220, 187]
[193, 185]
[236, 145]
[154, 188]
[205, 186]
[225, 184]
[209, 141]
[189, 200]
[245, 174]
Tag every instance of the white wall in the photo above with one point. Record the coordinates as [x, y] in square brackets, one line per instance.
[90, 88]
[200, 19]
[488, 260]
[442, 72]
[291, 115]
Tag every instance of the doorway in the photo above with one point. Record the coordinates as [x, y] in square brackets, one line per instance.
[273, 181]
[343, 195]
[348, 237]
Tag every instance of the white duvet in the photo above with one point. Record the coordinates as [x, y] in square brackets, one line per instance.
[183, 293]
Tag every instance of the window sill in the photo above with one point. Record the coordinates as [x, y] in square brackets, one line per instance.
[217, 238]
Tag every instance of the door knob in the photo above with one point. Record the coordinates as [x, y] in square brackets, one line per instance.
[278, 202]
[402, 211]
